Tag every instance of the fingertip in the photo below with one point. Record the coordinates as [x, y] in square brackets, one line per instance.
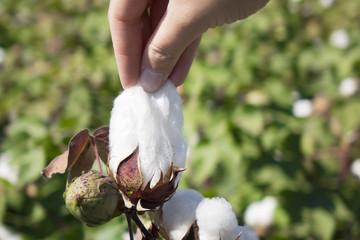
[128, 72]
[151, 81]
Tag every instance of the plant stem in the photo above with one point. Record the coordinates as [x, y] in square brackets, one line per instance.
[128, 219]
[140, 225]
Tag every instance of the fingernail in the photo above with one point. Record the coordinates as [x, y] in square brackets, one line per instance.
[150, 80]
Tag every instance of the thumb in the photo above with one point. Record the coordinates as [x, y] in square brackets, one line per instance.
[164, 48]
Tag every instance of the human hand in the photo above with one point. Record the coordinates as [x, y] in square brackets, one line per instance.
[155, 40]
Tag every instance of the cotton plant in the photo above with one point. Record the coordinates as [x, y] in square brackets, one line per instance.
[188, 215]
[348, 86]
[179, 213]
[7, 171]
[147, 150]
[326, 3]
[144, 153]
[7, 234]
[355, 168]
[259, 215]
[302, 108]
[2, 55]
[340, 38]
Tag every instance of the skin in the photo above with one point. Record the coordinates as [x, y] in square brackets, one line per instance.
[156, 40]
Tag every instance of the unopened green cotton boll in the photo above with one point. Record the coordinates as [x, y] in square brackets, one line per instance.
[93, 198]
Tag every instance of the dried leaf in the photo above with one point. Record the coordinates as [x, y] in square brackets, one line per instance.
[238, 236]
[78, 144]
[79, 157]
[58, 165]
[151, 198]
[192, 233]
[101, 136]
[83, 163]
[158, 221]
[130, 182]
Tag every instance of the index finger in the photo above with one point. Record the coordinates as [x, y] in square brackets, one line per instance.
[126, 33]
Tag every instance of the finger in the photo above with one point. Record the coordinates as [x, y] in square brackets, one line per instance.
[182, 67]
[168, 42]
[125, 19]
[146, 30]
[157, 10]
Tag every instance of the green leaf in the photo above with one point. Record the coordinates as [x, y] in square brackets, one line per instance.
[281, 217]
[250, 120]
[37, 214]
[30, 164]
[2, 203]
[323, 223]
[307, 144]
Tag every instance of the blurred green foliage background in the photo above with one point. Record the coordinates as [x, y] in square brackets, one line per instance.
[58, 75]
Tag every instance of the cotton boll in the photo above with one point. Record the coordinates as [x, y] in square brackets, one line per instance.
[246, 233]
[355, 168]
[2, 55]
[253, 214]
[261, 213]
[152, 121]
[122, 135]
[216, 220]
[125, 236]
[7, 171]
[169, 105]
[340, 39]
[155, 149]
[326, 3]
[302, 108]
[7, 234]
[179, 212]
[348, 86]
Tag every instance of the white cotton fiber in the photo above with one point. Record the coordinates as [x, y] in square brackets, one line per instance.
[302, 108]
[216, 220]
[261, 213]
[179, 212]
[354, 168]
[152, 121]
[348, 86]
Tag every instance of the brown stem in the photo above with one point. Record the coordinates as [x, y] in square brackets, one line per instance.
[128, 219]
[135, 218]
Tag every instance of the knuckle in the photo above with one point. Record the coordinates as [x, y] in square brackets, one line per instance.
[161, 54]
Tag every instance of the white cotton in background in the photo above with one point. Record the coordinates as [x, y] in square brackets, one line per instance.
[355, 168]
[6, 234]
[261, 213]
[216, 219]
[125, 236]
[326, 3]
[2, 55]
[152, 121]
[302, 108]
[348, 86]
[8, 172]
[246, 233]
[340, 39]
[179, 212]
